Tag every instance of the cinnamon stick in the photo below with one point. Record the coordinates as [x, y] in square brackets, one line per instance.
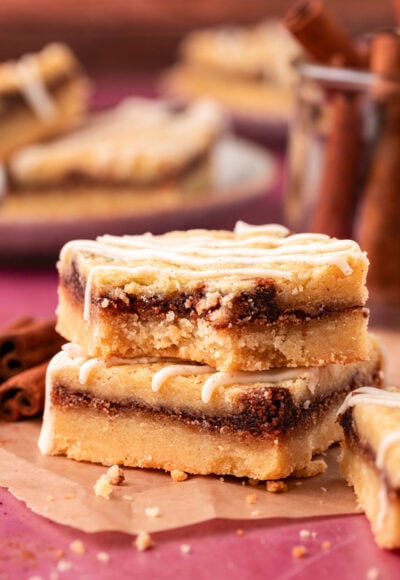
[23, 395]
[25, 343]
[338, 191]
[379, 224]
[321, 35]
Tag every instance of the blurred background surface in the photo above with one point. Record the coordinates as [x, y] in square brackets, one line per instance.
[120, 36]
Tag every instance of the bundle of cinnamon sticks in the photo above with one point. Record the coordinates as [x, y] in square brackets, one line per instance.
[343, 209]
[26, 346]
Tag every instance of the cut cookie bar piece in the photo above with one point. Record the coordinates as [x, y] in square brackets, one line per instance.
[168, 415]
[247, 69]
[140, 143]
[371, 458]
[41, 95]
[248, 300]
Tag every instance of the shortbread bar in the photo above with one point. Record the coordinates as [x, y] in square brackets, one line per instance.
[166, 414]
[248, 69]
[371, 458]
[139, 143]
[250, 299]
[41, 95]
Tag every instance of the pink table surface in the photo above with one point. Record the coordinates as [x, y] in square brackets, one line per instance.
[30, 544]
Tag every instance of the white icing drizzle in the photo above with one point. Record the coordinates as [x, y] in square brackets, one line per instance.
[209, 255]
[370, 395]
[33, 88]
[245, 377]
[87, 367]
[374, 396]
[46, 433]
[3, 182]
[164, 374]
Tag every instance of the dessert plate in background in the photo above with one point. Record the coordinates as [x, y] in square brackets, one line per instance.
[37, 225]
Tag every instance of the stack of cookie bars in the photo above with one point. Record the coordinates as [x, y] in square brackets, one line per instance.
[207, 351]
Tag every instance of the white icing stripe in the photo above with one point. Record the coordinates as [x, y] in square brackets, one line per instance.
[370, 395]
[87, 367]
[45, 441]
[33, 88]
[245, 378]
[164, 374]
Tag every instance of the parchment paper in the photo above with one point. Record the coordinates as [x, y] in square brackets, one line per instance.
[62, 490]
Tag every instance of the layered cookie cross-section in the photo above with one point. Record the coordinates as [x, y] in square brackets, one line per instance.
[41, 95]
[370, 419]
[247, 300]
[169, 414]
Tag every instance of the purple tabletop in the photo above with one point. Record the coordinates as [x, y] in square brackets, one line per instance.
[33, 547]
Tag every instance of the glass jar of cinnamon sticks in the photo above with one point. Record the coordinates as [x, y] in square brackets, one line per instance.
[331, 135]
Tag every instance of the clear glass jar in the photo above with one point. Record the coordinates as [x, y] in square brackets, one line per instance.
[309, 132]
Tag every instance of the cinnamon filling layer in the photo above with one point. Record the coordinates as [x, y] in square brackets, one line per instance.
[258, 305]
[363, 449]
[266, 412]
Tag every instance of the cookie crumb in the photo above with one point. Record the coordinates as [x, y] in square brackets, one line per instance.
[277, 486]
[314, 468]
[64, 566]
[299, 551]
[143, 541]
[240, 532]
[152, 512]
[326, 545]
[373, 574]
[179, 475]
[251, 498]
[103, 557]
[77, 547]
[102, 487]
[186, 549]
[253, 482]
[115, 475]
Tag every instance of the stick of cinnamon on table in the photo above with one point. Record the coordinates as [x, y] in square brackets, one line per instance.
[23, 394]
[26, 346]
[324, 39]
[379, 223]
[25, 343]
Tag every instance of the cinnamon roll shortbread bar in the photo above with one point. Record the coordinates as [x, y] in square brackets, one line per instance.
[247, 300]
[138, 144]
[169, 414]
[41, 95]
[370, 462]
[247, 69]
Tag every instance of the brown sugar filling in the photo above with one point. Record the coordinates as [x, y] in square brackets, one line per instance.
[266, 412]
[257, 305]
